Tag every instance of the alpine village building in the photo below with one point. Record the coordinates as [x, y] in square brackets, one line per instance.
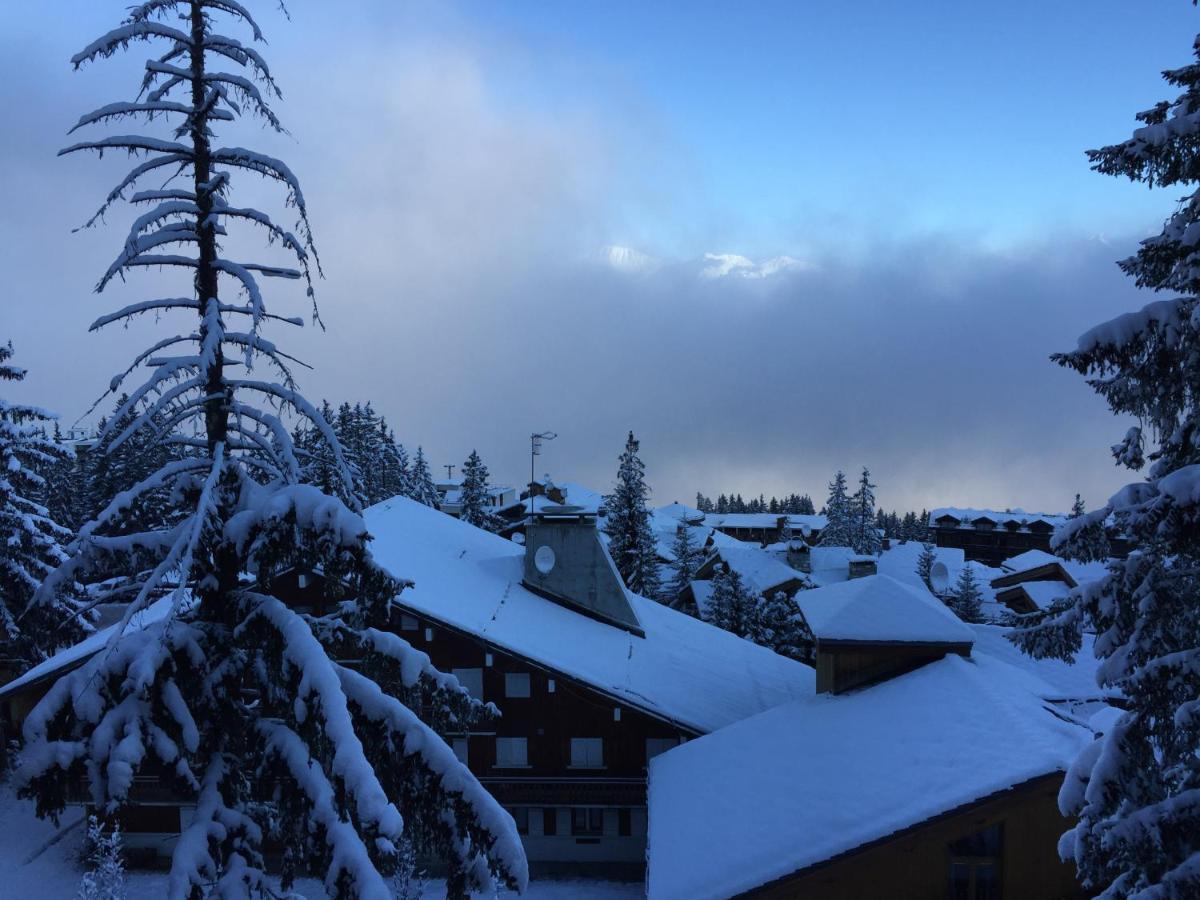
[591, 681]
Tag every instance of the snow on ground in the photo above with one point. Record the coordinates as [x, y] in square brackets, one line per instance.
[31, 866]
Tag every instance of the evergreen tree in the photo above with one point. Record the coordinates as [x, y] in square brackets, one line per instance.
[839, 530]
[732, 606]
[242, 704]
[627, 524]
[474, 507]
[865, 530]
[1089, 543]
[105, 878]
[965, 598]
[925, 564]
[395, 477]
[804, 507]
[783, 629]
[30, 540]
[1077, 508]
[1134, 792]
[687, 560]
[423, 489]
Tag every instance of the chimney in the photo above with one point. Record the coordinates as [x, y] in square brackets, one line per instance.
[566, 562]
[799, 555]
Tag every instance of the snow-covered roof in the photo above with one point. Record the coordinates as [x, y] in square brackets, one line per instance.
[880, 608]
[1033, 559]
[679, 511]
[1042, 594]
[761, 570]
[742, 520]
[967, 515]
[702, 592]
[809, 780]
[806, 525]
[69, 657]
[1065, 681]
[683, 669]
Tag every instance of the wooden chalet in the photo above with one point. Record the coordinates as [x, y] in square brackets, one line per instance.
[920, 768]
[990, 537]
[592, 682]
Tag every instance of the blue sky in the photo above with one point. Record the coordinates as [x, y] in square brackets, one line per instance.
[854, 232]
[903, 116]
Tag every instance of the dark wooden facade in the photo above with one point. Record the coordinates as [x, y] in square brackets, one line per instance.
[577, 816]
[991, 542]
[844, 665]
[1002, 846]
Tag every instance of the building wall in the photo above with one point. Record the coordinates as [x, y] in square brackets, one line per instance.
[915, 865]
[991, 546]
[549, 788]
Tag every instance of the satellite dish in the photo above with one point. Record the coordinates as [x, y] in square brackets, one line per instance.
[544, 559]
[939, 578]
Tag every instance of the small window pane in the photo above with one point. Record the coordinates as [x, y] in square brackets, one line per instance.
[587, 822]
[460, 749]
[550, 820]
[624, 822]
[511, 752]
[516, 684]
[408, 623]
[472, 680]
[587, 753]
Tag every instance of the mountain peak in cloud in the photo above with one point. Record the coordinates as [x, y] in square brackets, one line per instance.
[627, 259]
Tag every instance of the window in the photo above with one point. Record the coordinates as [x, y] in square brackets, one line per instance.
[975, 865]
[550, 820]
[587, 822]
[655, 746]
[587, 753]
[408, 623]
[516, 684]
[520, 815]
[512, 752]
[472, 680]
[624, 822]
[460, 749]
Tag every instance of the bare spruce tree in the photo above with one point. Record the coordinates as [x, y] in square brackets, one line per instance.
[234, 700]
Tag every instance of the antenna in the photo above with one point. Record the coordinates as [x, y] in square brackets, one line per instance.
[449, 471]
[535, 450]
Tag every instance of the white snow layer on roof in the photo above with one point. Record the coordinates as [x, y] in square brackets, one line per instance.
[809, 780]
[1045, 593]
[967, 515]
[684, 670]
[762, 570]
[742, 520]
[1032, 559]
[1064, 681]
[880, 608]
[93, 643]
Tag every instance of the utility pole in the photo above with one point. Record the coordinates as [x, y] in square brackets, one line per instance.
[535, 450]
[449, 471]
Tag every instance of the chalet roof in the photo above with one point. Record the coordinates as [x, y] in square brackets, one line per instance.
[743, 520]
[806, 525]
[809, 780]
[683, 669]
[967, 516]
[880, 608]
[1034, 559]
[70, 657]
[762, 571]
[1042, 594]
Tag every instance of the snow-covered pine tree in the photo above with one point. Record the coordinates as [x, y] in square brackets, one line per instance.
[782, 628]
[839, 530]
[423, 489]
[1134, 792]
[395, 478]
[1089, 543]
[732, 606]
[105, 877]
[236, 700]
[683, 568]
[1077, 508]
[965, 598]
[865, 530]
[925, 564]
[30, 541]
[804, 506]
[473, 494]
[627, 523]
